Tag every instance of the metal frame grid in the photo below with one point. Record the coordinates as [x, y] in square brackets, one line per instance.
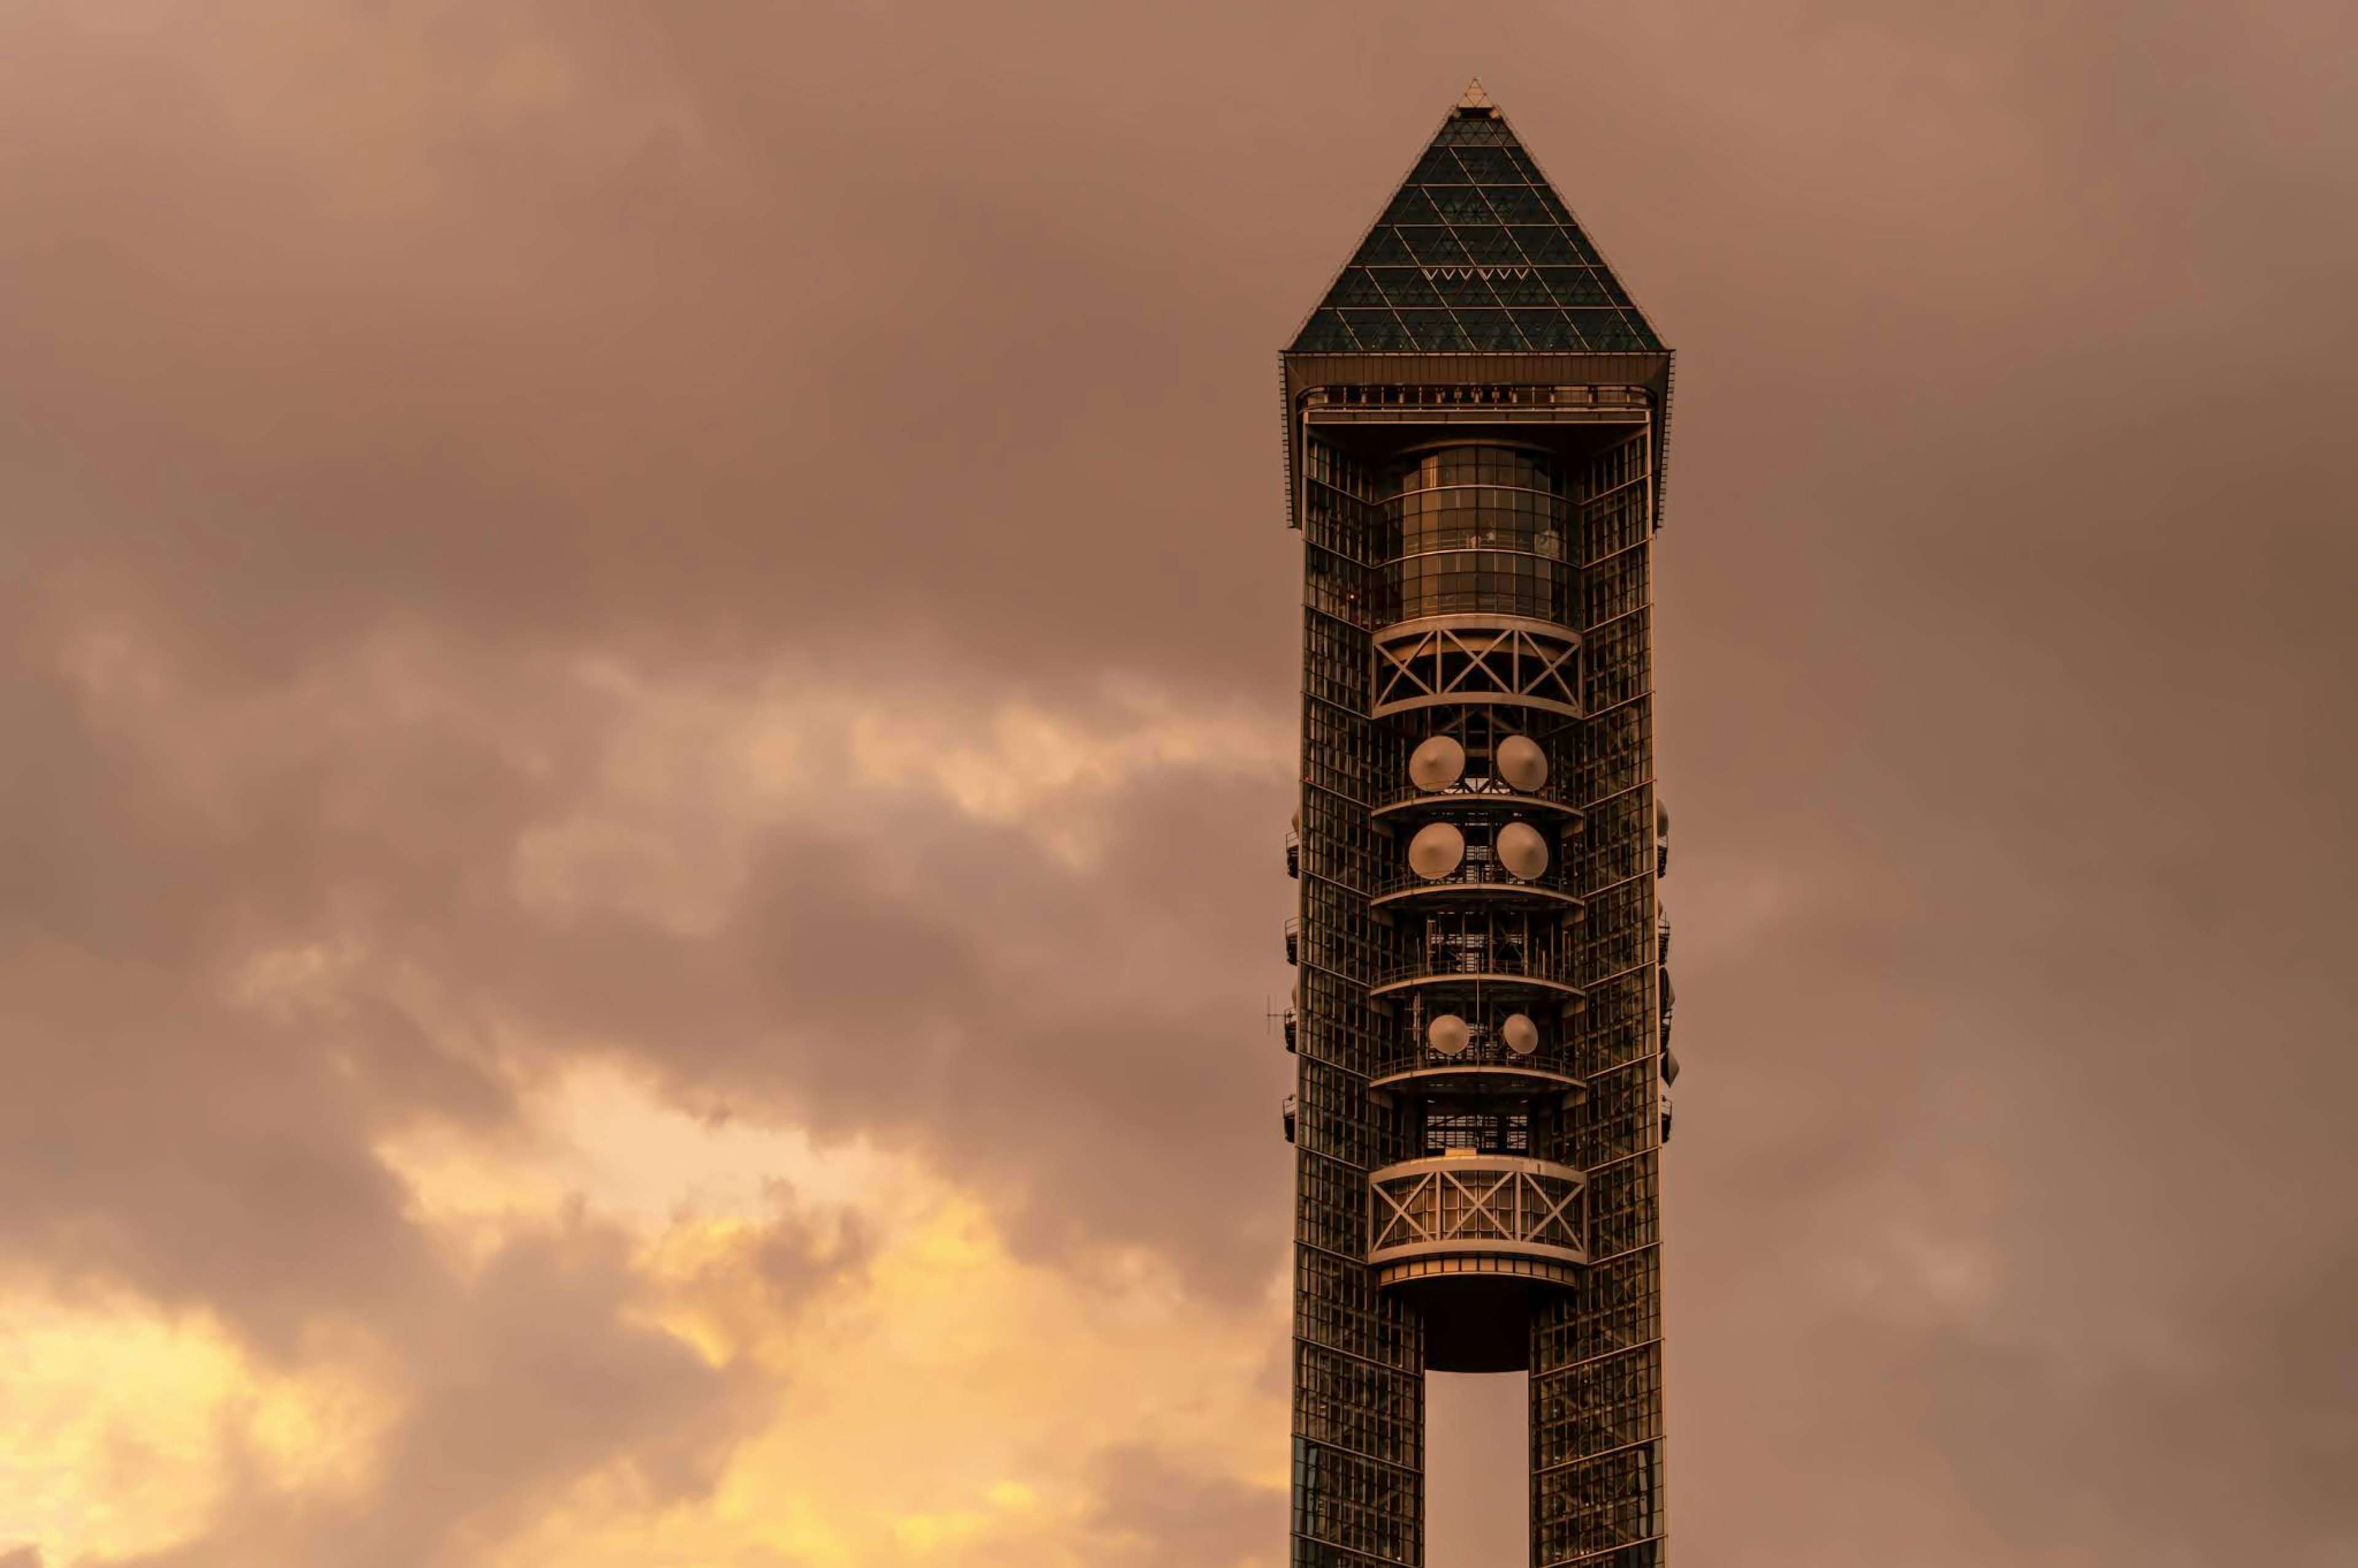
[1596, 1402]
[1447, 317]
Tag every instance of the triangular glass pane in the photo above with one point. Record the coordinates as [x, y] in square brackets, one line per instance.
[1602, 329]
[1428, 328]
[1630, 333]
[1443, 336]
[1383, 248]
[1517, 204]
[1437, 167]
[1463, 288]
[1461, 204]
[1377, 329]
[1325, 333]
[1490, 166]
[1547, 246]
[1519, 286]
[1467, 133]
[1489, 329]
[1435, 247]
[1574, 286]
[1356, 287]
[1412, 206]
[1549, 330]
[1406, 286]
[1489, 245]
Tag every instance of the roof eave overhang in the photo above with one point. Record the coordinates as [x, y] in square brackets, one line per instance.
[1305, 372]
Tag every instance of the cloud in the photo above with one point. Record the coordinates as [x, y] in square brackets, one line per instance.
[513, 1393]
[1158, 1514]
[739, 553]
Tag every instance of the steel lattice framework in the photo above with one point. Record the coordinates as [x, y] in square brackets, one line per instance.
[1475, 423]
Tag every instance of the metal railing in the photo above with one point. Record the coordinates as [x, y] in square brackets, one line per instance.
[1484, 1049]
[1505, 1204]
[1506, 961]
[1474, 872]
[1474, 790]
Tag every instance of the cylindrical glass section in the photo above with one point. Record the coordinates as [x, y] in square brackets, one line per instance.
[1478, 528]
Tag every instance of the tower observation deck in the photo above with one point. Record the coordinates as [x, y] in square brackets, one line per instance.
[1475, 419]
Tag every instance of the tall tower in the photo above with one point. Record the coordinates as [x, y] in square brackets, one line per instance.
[1475, 419]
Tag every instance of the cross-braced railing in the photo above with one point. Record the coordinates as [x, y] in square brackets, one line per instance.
[1454, 659]
[1500, 1205]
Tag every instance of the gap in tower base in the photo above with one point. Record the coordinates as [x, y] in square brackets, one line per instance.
[1478, 1496]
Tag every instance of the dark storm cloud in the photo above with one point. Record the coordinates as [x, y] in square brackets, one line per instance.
[148, 1138]
[1158, 1514]
[363, 368]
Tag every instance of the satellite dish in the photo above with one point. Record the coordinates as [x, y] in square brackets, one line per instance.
[1447, 1035]
[1670, 993]
[1521, 763]
[1437, 763]
[1522, 1035]
[1437, 850]
[1661, 818]
[1297, 819]
[1523, 850]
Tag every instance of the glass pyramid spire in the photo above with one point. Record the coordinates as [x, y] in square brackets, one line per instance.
[1476, 253]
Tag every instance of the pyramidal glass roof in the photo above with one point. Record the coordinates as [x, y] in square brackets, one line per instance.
[1475, 253]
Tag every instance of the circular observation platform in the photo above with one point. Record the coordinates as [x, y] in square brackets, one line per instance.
[1468, 1236]
[1422, 975]
[1434, 1074]
[1416, 805]
[1480, 881]
[1438, 661]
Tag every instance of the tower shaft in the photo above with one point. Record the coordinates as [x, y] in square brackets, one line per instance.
[1475, 419]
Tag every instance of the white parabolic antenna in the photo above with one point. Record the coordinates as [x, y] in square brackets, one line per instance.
[1447, 1035]
[1522, 1035]
[1437, 763]
[1522, 765]
[1437, 850]
[1523, 849]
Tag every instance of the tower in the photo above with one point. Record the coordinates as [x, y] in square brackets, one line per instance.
[1475, 419]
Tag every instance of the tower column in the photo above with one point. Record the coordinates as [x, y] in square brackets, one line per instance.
[1474, 416]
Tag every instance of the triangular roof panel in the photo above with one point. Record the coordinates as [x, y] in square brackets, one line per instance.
[1476, 226]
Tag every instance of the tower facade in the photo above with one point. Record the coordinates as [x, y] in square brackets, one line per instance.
[1475, 419]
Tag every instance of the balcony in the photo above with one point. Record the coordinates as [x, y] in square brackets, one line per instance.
[1294, 854]
[1486, 1066]
[1409, 800]
[1479, 876]
[1500, 965]
[1444, 660]
[1476, 1214]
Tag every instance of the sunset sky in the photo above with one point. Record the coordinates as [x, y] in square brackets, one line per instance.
[647, 693]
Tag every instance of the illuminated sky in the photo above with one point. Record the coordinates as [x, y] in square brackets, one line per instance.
[646, 680]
